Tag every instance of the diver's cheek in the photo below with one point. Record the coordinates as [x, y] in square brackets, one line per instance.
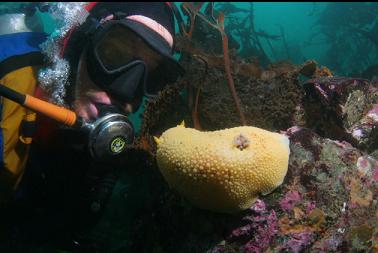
[85, 109]
[92, 111]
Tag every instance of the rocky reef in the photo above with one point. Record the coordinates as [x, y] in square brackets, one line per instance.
[328, 200]
[327, 203]
[344, 109]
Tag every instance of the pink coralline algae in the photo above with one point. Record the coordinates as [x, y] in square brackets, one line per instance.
[329, 244]
[310, 206]
[259, 206]
[365, 131]
[375, 175]
[266, 229]
[373, 113]
[261, 228]
[367, 166]
[290, 200]
[299, 241]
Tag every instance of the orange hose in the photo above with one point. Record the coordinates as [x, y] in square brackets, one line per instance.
[58, 113]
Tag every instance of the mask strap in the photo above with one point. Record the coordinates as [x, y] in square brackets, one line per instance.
[119, 15]
[91, 26]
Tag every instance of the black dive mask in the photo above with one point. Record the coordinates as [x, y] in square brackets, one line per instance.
[125, 85]
[114, 62]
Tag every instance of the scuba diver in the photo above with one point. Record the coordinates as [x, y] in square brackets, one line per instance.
[121, 53]
[21, 33]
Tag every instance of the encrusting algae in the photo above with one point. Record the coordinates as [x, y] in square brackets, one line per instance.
[224, 170]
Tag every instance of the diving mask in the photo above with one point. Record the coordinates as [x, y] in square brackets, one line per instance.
[124, 65]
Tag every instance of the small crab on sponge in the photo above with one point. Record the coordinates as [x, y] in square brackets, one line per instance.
[224, 170]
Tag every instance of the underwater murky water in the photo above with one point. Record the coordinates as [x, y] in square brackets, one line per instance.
[328, 109]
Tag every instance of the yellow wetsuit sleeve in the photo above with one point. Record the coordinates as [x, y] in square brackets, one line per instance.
[14, 148]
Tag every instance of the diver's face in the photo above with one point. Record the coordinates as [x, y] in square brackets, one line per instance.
[120, 46]
[87, 95]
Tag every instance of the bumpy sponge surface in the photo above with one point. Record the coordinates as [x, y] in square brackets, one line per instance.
[223, 170]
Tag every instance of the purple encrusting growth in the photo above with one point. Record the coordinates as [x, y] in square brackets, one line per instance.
[261, 228]
[310, 206]
[290, 200]
[299, 241]
[375, 174]
[373, 112]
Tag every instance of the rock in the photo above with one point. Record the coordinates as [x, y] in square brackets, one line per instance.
[344, 109]
[327, 203]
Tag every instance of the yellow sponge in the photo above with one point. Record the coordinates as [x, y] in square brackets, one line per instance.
[223, 170]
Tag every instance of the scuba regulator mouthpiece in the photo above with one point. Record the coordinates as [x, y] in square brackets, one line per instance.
[108, 136]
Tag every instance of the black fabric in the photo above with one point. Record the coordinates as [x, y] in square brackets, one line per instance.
[159, 78]
[12, 94]
[151, 37]
[27, 128]
[154, 40]
[130, 84]
[20, 61]
[158, 11]
[125, 84]
[63, 191]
